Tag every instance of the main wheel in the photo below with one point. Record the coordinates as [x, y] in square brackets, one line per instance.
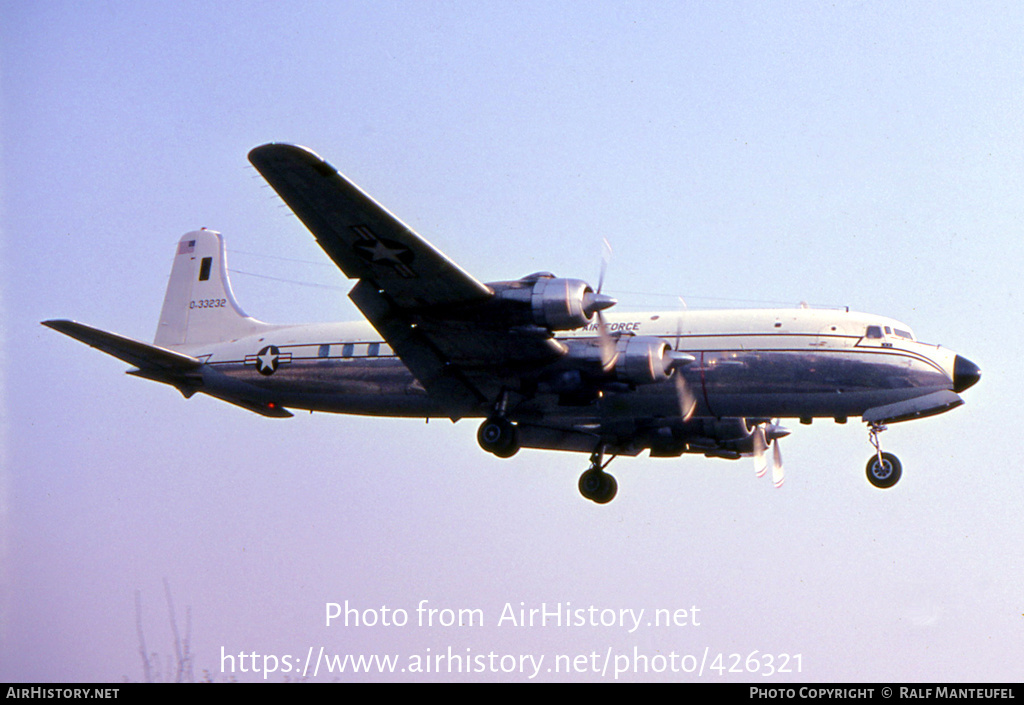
[598, 486]
[498, 436]
[885, 474]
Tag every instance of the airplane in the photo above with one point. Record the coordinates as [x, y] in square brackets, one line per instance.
[536, 358]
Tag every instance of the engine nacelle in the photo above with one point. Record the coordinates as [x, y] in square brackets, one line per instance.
[643, 360]
[547, 301]
[561, 304]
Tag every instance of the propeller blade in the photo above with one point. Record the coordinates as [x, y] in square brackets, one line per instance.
[777, 475]
[760, 445]
[609, 353]
[687, 402]
[606, 255]
[764, 435]
[593, 304]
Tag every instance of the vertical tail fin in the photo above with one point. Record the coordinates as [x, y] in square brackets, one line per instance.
[199, 306]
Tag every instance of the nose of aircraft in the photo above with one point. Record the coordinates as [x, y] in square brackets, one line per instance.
[965, 374]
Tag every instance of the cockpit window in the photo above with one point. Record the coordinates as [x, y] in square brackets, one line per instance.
[875, 332]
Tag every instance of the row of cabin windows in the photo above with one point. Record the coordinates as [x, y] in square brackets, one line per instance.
[349, 349]
[374, 349]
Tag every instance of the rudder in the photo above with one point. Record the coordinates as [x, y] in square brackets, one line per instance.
[199, 306]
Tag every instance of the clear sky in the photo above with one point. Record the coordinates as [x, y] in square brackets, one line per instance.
[851, 153]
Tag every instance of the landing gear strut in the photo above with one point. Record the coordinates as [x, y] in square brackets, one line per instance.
[884, 469]
[595, 484]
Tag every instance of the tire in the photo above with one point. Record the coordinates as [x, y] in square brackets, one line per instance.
[885, 475]
[598, 486]
[498, 436]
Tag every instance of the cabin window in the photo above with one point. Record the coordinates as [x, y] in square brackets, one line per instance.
[324, 351]
[204, 268]
[904, 334]
[874, 332]
[373, 350]
[346, 350]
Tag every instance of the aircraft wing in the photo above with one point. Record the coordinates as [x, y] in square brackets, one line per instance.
[422, 303]
[364, 239]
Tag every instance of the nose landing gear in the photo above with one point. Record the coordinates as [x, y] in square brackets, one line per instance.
[883, 469]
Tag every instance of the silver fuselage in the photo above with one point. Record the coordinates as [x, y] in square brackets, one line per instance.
[801, 363]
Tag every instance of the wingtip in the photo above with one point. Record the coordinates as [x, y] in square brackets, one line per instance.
[282, 149]
[267, 154]
[57, 324]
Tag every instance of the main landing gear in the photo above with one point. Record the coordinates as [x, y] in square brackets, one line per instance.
[884, 469]
[595, 484]
[498, 435]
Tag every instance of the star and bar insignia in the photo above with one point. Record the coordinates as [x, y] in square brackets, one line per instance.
[268, 359]
[379, 251]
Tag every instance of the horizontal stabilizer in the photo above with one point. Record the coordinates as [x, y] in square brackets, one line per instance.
[928, 405]
[134, 352]
[262, 408]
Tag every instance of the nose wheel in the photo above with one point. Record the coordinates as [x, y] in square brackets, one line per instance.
[597, 485]
[883, 469]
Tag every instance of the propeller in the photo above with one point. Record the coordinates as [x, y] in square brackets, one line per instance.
[687, 402]
[596, 302]
[764, 434]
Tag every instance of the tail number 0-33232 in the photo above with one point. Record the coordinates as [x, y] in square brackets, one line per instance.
[208, 303]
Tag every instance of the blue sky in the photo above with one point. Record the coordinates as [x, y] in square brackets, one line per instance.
[853, 153]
